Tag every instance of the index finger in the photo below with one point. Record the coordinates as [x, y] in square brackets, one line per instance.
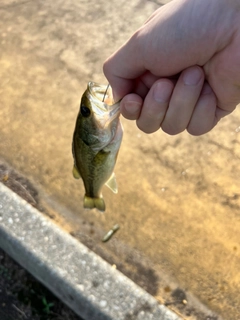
[122, 67]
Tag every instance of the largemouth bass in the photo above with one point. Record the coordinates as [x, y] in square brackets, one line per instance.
[96, 141]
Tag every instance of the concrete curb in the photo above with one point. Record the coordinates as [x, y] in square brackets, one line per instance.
[77, 276]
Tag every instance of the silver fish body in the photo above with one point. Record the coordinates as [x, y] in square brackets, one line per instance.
[96, 141]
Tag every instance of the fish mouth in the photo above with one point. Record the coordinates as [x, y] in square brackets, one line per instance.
[113, 114]
[102, 93]
[101, 96]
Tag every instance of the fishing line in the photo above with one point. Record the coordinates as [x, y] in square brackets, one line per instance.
[105, 93]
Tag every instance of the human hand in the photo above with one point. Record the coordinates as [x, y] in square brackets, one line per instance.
[181, 70]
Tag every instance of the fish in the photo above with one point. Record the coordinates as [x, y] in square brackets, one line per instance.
[96, 142]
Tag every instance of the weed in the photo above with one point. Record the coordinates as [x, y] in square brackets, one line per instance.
[47, 305]
[23, 297]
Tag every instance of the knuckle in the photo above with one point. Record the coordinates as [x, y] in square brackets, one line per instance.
[195, 131]
[198, 130]
[146, 128]
[172, 128]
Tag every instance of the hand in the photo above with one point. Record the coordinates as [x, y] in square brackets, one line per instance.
[181, 70]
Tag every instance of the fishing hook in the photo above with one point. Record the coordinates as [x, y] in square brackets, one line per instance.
[105, 93]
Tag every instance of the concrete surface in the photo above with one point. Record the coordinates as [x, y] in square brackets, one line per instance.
[179, 197]
[80, 278]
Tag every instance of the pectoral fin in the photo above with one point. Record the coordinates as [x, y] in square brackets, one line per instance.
[76, 173]
[112, 183]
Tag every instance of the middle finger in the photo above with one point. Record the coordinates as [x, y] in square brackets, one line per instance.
[183, 100]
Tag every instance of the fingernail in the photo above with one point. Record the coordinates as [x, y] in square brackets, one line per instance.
[192, 77]
[162, 91]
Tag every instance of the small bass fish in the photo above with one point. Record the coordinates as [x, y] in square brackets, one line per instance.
[96, 141]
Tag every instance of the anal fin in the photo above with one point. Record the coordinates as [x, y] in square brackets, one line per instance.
[112, 183]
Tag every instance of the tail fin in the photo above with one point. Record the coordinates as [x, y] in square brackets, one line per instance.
[90, 203]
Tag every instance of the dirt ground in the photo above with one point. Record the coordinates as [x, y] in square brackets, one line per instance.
[24, 297]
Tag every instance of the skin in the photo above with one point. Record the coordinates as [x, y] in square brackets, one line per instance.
[181, 69]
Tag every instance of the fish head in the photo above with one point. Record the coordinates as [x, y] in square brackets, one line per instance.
[98, 116]
[100, 102]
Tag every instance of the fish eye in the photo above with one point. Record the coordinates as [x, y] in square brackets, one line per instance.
[85, 111]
